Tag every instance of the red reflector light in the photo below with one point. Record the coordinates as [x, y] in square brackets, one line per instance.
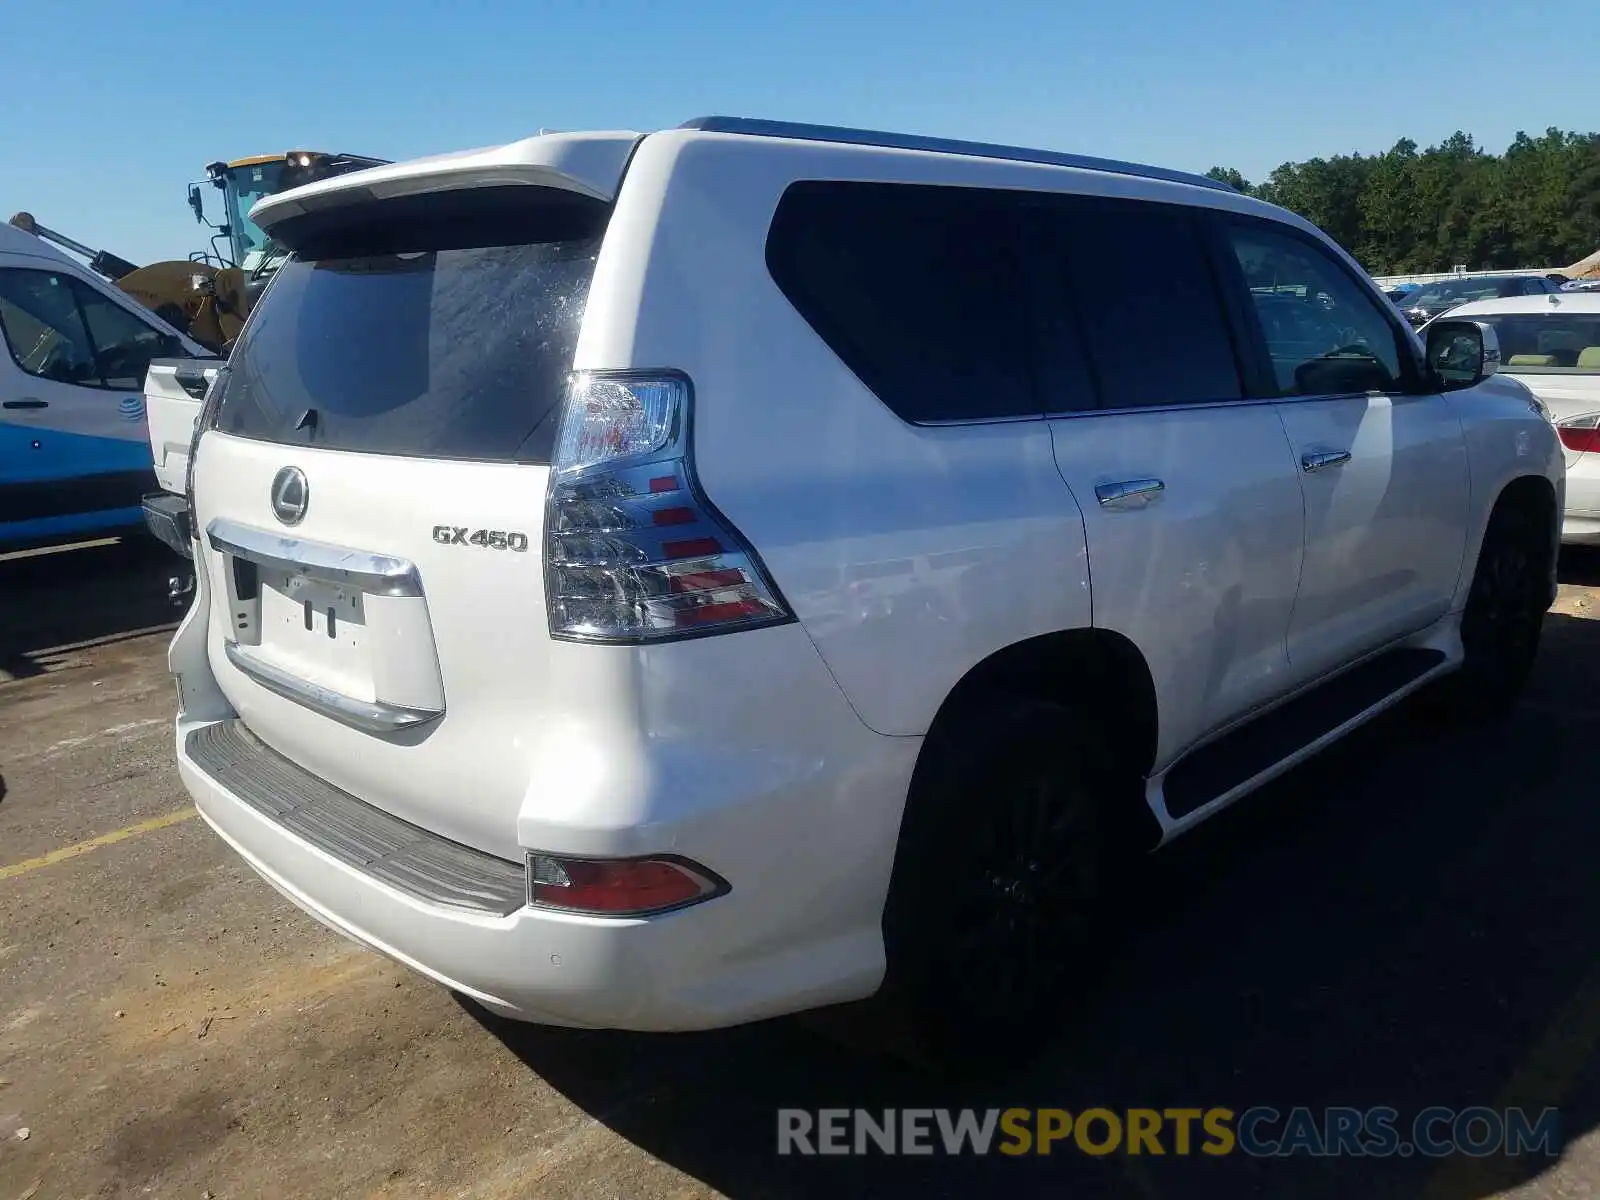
[674, 516]
[703, 547]
[704, 581]
[664, 483]
[1578, 439]
[617, 887]
[710, 614]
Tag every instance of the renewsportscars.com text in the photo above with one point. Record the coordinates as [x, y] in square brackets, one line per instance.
[1260, 1132]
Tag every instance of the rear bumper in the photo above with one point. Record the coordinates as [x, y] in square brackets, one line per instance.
[1580, 525]
[1578, 530]
[710, 965]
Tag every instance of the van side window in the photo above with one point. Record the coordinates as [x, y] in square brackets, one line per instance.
[123, 344]
[43, 328]
[1326, 335]
[58, 328]
[919, 291]
[1146, 300]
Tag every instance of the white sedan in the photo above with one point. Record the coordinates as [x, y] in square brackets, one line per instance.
[1552, 344]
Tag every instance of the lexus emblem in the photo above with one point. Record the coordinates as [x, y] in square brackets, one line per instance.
[290, 495]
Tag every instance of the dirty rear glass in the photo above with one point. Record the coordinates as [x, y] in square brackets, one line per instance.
[430, 338]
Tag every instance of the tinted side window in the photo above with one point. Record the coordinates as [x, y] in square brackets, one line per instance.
[44, 329]
[1326, 335]
[123, 344]
[918, 290]
[1146, 300]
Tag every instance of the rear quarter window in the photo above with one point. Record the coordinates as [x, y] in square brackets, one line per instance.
[918, 290]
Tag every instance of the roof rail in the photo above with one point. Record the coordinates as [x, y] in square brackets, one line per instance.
[756, 127]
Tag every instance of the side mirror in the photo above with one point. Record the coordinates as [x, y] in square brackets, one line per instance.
[196, 203]
[1461, 352]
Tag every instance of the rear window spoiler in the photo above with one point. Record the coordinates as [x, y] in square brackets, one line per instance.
[589, 165]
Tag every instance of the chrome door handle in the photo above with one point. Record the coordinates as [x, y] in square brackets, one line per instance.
[1128, 493]
[1324, 459]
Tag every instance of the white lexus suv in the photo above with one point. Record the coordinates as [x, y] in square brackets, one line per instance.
[662, 581]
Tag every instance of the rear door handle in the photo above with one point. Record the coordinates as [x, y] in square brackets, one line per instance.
[1128, 493]
[30, 402]
[1324, 459]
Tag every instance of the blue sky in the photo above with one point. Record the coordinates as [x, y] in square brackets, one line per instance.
[105, 118]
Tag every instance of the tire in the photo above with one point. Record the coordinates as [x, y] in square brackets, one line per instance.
[1504, 615]
[995, 918]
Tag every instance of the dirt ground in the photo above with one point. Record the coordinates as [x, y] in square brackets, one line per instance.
[1409, 920]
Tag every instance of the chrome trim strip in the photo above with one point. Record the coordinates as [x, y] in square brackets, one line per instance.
[376, 574]
[373, 716]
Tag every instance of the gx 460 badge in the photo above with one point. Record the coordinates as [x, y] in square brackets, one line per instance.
[491, 539]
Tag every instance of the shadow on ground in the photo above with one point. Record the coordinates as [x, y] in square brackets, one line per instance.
[96, 593]
[1580, 565]
[1404, 921]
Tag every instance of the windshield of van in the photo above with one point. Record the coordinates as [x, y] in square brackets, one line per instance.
[1547, 343]
[458, 353]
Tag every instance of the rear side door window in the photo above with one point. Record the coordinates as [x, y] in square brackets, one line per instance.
[1324, 333]
[919, 290]
[1141, 291]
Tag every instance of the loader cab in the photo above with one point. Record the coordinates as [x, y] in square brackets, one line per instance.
[244, 181]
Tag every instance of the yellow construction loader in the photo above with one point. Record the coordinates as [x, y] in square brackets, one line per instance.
[209, 295]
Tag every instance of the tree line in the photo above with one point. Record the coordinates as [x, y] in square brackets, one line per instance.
[1405, 210]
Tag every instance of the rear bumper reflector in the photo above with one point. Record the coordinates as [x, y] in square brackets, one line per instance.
[402, 855]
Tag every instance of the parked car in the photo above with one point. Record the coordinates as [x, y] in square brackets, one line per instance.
[1554, 348]
[1582, 285]
[740, 568]
[1435, 298]
[74, 459]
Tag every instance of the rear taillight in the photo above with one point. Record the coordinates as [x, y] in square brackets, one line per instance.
[618, 887]
[1580, 434]
[634, 552]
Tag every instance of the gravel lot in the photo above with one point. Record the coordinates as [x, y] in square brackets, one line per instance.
[1409, 920]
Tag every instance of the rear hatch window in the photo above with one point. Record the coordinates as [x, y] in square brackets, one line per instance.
[439, 326]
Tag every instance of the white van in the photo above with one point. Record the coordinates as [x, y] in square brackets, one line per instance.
[662, 581]
[74, 452]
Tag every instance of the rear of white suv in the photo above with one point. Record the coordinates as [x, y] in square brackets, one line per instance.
[646, 581]
[501, 695]
[1551, 343]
